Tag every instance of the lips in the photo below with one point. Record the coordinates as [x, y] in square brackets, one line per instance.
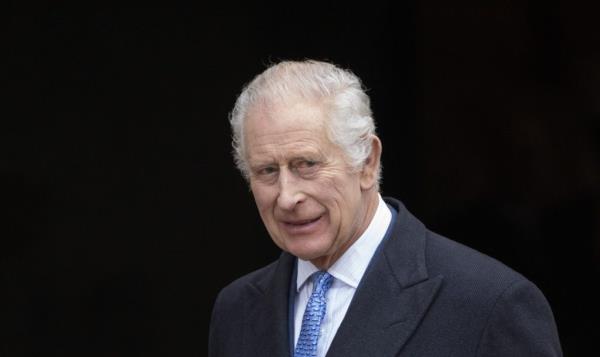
[302, 222]
[303, 226]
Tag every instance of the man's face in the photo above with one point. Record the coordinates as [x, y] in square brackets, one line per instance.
[311, 202]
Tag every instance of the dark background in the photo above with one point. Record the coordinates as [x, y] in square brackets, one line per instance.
[122, 213]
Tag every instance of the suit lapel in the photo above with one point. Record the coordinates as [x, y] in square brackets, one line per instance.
[392, 297]
[266, 317]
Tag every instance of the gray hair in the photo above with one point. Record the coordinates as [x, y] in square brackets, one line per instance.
[350, 123]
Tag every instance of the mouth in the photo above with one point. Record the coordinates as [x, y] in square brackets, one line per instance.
[303, 226]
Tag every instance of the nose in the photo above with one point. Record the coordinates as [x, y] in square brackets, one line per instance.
[290, 193]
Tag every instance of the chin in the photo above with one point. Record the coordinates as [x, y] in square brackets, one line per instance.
[307, 251]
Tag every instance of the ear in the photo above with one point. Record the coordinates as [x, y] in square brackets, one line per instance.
[368, 175]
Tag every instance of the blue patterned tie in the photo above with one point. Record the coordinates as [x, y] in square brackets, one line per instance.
[313, 316]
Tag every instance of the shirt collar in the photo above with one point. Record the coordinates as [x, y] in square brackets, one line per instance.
[351, 266]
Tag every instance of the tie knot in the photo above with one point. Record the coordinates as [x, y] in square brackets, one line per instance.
[322, 282]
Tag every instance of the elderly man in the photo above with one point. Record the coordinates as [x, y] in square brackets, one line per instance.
[359, 275]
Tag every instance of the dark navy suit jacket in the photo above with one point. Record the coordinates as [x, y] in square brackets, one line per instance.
[422, 295]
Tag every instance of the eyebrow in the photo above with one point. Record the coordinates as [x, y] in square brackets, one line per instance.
[260, 162]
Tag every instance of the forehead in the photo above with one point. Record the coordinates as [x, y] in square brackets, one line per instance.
[281, 129]
[285, 116]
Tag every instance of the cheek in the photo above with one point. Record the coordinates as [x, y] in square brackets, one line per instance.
[344, 199]
[340, 189]
[331, 193]
[264, 199]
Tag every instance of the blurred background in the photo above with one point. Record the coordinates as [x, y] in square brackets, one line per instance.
[123, 215]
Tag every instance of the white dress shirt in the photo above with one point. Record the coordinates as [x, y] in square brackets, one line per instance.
[347, 272]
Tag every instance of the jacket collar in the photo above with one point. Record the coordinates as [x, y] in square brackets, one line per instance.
[266, 312]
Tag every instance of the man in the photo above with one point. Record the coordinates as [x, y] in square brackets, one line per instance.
[359, 275]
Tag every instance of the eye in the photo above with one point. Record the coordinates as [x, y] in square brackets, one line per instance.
[266, 174]
[306, 164]
[266, 170]
[305, 167]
